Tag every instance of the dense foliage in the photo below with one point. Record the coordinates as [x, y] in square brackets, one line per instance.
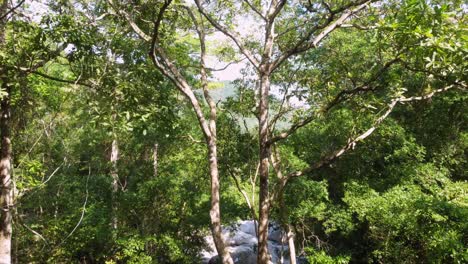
[79, 80]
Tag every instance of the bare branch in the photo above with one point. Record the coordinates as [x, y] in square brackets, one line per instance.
[226, 66]
[362, 88]
[244, 194]
[35, 233]
[130, 21]
[275, 161]
[75, 82]
[292, 129]
[353, 141]
[429, 95]
[357, 26]
[12, 9]
[52, 174]
[164, 64]
[83, 210]
[338, 98]
[234, 36]
[275, 8]
[204, 76]
[336, 24]
[293, 28]
[255, 9]
[281, 110]
[304, 44]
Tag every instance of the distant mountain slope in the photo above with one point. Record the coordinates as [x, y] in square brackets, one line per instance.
[222, 90]
[225, 90]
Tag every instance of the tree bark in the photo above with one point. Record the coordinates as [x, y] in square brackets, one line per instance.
[287, 227]
[264, 72]
[215, 215]
[292, 247]
[264, 201]
[5, 158]
[215, 211]
[5, 178]
[115, 181]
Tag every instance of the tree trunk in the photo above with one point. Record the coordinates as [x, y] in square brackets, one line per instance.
[155, 160]
[165, 65]
[115, 180]
[292, 247]
[5, 158]
[215, 215]
[286, 226]
[211, 140]
[5, 178]
[264, 201]
[283, 210]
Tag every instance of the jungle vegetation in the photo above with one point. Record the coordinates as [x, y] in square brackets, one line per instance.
[347, 124]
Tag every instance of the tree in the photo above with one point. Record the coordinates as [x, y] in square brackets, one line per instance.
[5, 163]
[313, 22]
[33, 49]
[163, 63]
[266, 64]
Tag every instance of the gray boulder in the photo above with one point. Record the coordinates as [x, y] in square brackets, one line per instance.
[240, 238]
[242, 243]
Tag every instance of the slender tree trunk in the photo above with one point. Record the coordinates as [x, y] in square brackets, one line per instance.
[215, 215]
[215, 211]
[287, 227]
[264, 200]
[155, 160]
[5, 178]
[5, 158]
[165, 65]
[283, 210]
[264, 70]
[211, 140]
[115, 180]
[292, 246]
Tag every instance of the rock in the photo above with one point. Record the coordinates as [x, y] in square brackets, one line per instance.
[241, 238]
[242, 243]
[302, 260]
[277, 251]
[247, 227]
[240, 255]
[244, 255]
[276, 235]
[209, 251]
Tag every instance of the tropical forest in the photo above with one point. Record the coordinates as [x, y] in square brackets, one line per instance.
[233, 131]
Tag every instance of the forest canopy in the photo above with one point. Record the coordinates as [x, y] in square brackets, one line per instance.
[147, 131]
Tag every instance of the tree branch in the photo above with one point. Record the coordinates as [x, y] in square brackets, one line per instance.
[338, 99]
[226, 66]
[234, 36]
[83, 210]
[255, 9]
[199, 27]
[75, 82]
[168, 69]
[304, 44]
[353, 141]
[244, 194]
[11, 10]
[362, 88]
[357, 26]
[130, 21]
